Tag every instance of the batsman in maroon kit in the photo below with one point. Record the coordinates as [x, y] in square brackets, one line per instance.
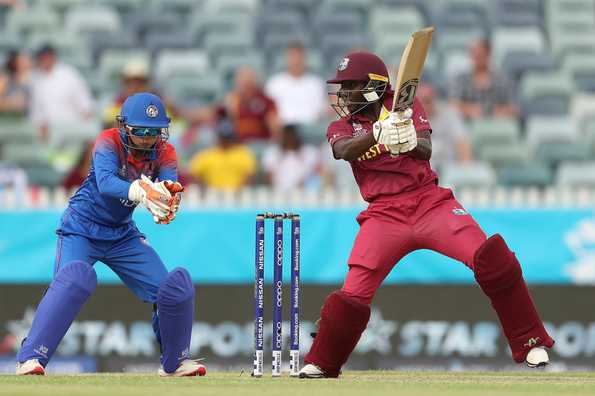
[389, 154]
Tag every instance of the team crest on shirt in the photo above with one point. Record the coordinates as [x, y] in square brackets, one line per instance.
[152, 111]
[358, 130]
[343, 64]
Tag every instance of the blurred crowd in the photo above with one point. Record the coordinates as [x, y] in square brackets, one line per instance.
[255, 134]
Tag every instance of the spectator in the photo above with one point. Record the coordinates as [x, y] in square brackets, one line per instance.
[300, 96]
[335, 174]
[450, 142]
[291, 165]
[227, 166]
[483, 91]
[254, 114]
[80, 171]
[135, 79]
[14, 84]
[58, 92]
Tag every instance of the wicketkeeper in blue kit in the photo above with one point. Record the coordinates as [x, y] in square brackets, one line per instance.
[131, 164]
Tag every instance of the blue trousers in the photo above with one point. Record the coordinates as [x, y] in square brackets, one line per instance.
[132, 259]
[129, 255]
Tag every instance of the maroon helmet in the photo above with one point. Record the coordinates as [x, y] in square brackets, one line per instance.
[359, 66]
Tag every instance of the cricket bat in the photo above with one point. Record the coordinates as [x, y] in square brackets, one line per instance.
[409, 73]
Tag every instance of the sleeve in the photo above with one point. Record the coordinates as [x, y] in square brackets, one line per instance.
[168, 164]
[270, 158]
[82, 94]
[504, 93]
[270, 87]
[420, 118]
[106, 163]
[455, 122]
[338, 130]
[456, 87]
[322, 97]
[36, 111]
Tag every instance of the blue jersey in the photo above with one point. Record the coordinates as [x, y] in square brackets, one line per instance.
[103, 197]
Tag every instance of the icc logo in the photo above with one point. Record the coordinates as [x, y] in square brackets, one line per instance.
[152, 111]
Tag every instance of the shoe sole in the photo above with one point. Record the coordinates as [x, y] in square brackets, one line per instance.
[304, 375]
[35, 371]
[538, 365]
[189, 374]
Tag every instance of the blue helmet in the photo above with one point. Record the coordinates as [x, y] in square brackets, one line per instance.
[143, 115]
[144, 110]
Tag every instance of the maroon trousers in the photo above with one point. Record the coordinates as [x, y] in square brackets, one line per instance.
[431, 218]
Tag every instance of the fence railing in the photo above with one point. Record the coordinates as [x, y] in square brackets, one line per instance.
[196, 198]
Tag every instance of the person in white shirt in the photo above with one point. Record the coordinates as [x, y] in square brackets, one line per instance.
[450, 137]
[290, 165]
[58, 93]
[300, 96]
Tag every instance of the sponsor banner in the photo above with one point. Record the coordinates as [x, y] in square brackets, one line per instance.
[441, 327]
[554, 246]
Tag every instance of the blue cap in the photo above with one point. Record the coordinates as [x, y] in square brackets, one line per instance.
[144, 110]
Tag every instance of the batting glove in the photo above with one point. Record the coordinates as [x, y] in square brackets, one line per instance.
[396, 129]
[406, 135]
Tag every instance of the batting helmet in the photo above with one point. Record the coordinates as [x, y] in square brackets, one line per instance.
[359, 66]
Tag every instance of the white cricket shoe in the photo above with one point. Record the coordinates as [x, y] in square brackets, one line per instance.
[30, 367]
[188, 368]
[311, 371]
[537, 357]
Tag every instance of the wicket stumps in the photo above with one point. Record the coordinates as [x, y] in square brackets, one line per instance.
[277, 334]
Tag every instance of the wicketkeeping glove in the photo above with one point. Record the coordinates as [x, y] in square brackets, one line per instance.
[175, 190]
[156, 199]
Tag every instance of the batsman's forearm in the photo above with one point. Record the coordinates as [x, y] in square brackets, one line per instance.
[353, 148]
[423, 150]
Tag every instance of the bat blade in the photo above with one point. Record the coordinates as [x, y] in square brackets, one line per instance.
[410, 68]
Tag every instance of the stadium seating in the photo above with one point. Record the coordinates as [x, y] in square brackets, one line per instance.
[576, 174]
[84, 19]
[112, 62]
[193, 48]
[534, 174]
[33, 19]
[544, 130]
[17, 131]
[502, 132]
[174, 62]
[504, 40]
[477, 174]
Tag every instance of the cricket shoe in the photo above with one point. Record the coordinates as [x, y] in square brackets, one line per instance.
[311, 371]
[188, 368]
[537, 357]
[30, 367]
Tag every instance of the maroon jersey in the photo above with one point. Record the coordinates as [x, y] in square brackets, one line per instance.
[377, 172]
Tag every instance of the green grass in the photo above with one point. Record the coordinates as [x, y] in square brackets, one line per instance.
[351, 383]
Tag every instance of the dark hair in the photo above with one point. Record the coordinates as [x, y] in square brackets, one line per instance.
[485, 43]
[11, 62]
[45, 49]
[291, 131]
[295, 45]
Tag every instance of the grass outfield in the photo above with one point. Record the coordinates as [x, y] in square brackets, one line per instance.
[352, 383]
